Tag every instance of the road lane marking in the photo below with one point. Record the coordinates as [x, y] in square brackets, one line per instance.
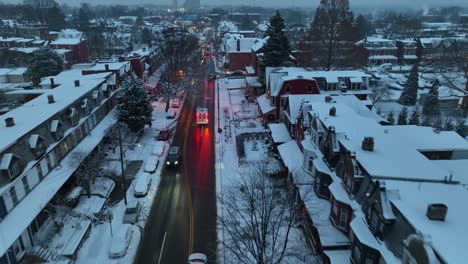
[162, 247]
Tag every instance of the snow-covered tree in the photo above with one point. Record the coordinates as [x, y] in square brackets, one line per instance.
[419, 49]
[426, 121]
[276, 50]
[431, 105]
[400, 53]
[409, 95]
[447, 124]
[461, 128]
[133, 106]
[44, 62]
[391, 118]
[88, 170]
[257, 218]
[403, 117]
[414, 118]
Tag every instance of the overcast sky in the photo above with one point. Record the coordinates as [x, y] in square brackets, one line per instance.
[278, 3]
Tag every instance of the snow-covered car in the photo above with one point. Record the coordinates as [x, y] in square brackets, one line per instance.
[158, 148]
[142, 184]
[132, 212]
[120, 242]
[151, 164]
[197, 258]
[175, 102]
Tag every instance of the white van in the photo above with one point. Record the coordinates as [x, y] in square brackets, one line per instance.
[142, 185]
[151, 164]
[158, 148]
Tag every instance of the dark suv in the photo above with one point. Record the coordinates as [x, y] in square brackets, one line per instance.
[173, 158]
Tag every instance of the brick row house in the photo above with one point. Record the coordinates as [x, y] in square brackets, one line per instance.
[379, 183]
[242, 54]
[38, 140]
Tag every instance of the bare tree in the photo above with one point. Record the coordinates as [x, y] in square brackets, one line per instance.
[89, 169]
[40, 8]
[257, 218]
[177, 50]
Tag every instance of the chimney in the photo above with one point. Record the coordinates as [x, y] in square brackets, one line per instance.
[77, 83]
[52, 83]
[436, 212]
[332, 111]
[106, 66]
[368, 144]
[238, 44]
[144, 49]
[328, 99]
[50, 98]
[9, 121]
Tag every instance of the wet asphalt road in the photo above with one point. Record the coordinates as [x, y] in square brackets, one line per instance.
[183, 215]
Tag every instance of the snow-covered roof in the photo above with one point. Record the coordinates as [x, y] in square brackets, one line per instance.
[6, 160]
[259, 44]
[457, 168]
[71, 75]
[70, 33]
[32, 204]
[382, 57]
[279, 133]
[338, 256]
[66, 41]
[363, 233]
[264, 104]
[253, 81]
[245, 44]
[426, 139]
[35, 112]
[23, 50]
[249, 69]
[113, 66]
[13, 71]
[263, 26]
[33, 140]
[291, 154]
[447, 237]
[391, 158]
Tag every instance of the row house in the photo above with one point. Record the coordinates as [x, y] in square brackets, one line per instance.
[35, 155]
[371, 177]
[282, 82]
[77, 47]
[242, 53]
[141, 62]
[120, 69]
[382, 50]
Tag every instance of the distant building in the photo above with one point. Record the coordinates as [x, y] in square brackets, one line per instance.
[192, 5]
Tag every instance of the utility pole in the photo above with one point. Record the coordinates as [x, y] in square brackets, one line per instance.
[124, 183]
[219, 128]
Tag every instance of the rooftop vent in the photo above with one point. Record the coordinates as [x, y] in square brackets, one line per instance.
[328, 99]
[77, 83]
[332, 111]
[368, 144]
[52, 83]
[9, 121]
[50, 99]
[436, 212]
[300, 76]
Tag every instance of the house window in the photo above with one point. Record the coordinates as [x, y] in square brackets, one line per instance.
[73, 115]
[310, 166]
[376, 225]
[26, 184]
[13, 195]
[39, 172]
[15, 168]
[343, 218]
[335, 209]
[288, 88]
[309, 88]
[283, 103]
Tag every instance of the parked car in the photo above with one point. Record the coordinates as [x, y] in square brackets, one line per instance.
[164, 134]
[132, 212]
[158, 148]
[197, 258]
[173, 158]
[142, 184]
[151, 164]
[120, 242]
[175, 102]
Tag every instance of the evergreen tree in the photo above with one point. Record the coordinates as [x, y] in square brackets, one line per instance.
[84, 15]
[403, 117]
[414, 118]
[133, 107]
[409, 95]
[400, 53]
[437, 123]
[363, 26]
[44, 62]
[276, 50]
[447, 124]
[56, 18]
[419, 49]
[146, 36]
[426, 121]
[461, 128]
[431, 104]
[391, 118]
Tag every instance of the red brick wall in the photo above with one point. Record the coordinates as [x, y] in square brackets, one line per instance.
[298, 86]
